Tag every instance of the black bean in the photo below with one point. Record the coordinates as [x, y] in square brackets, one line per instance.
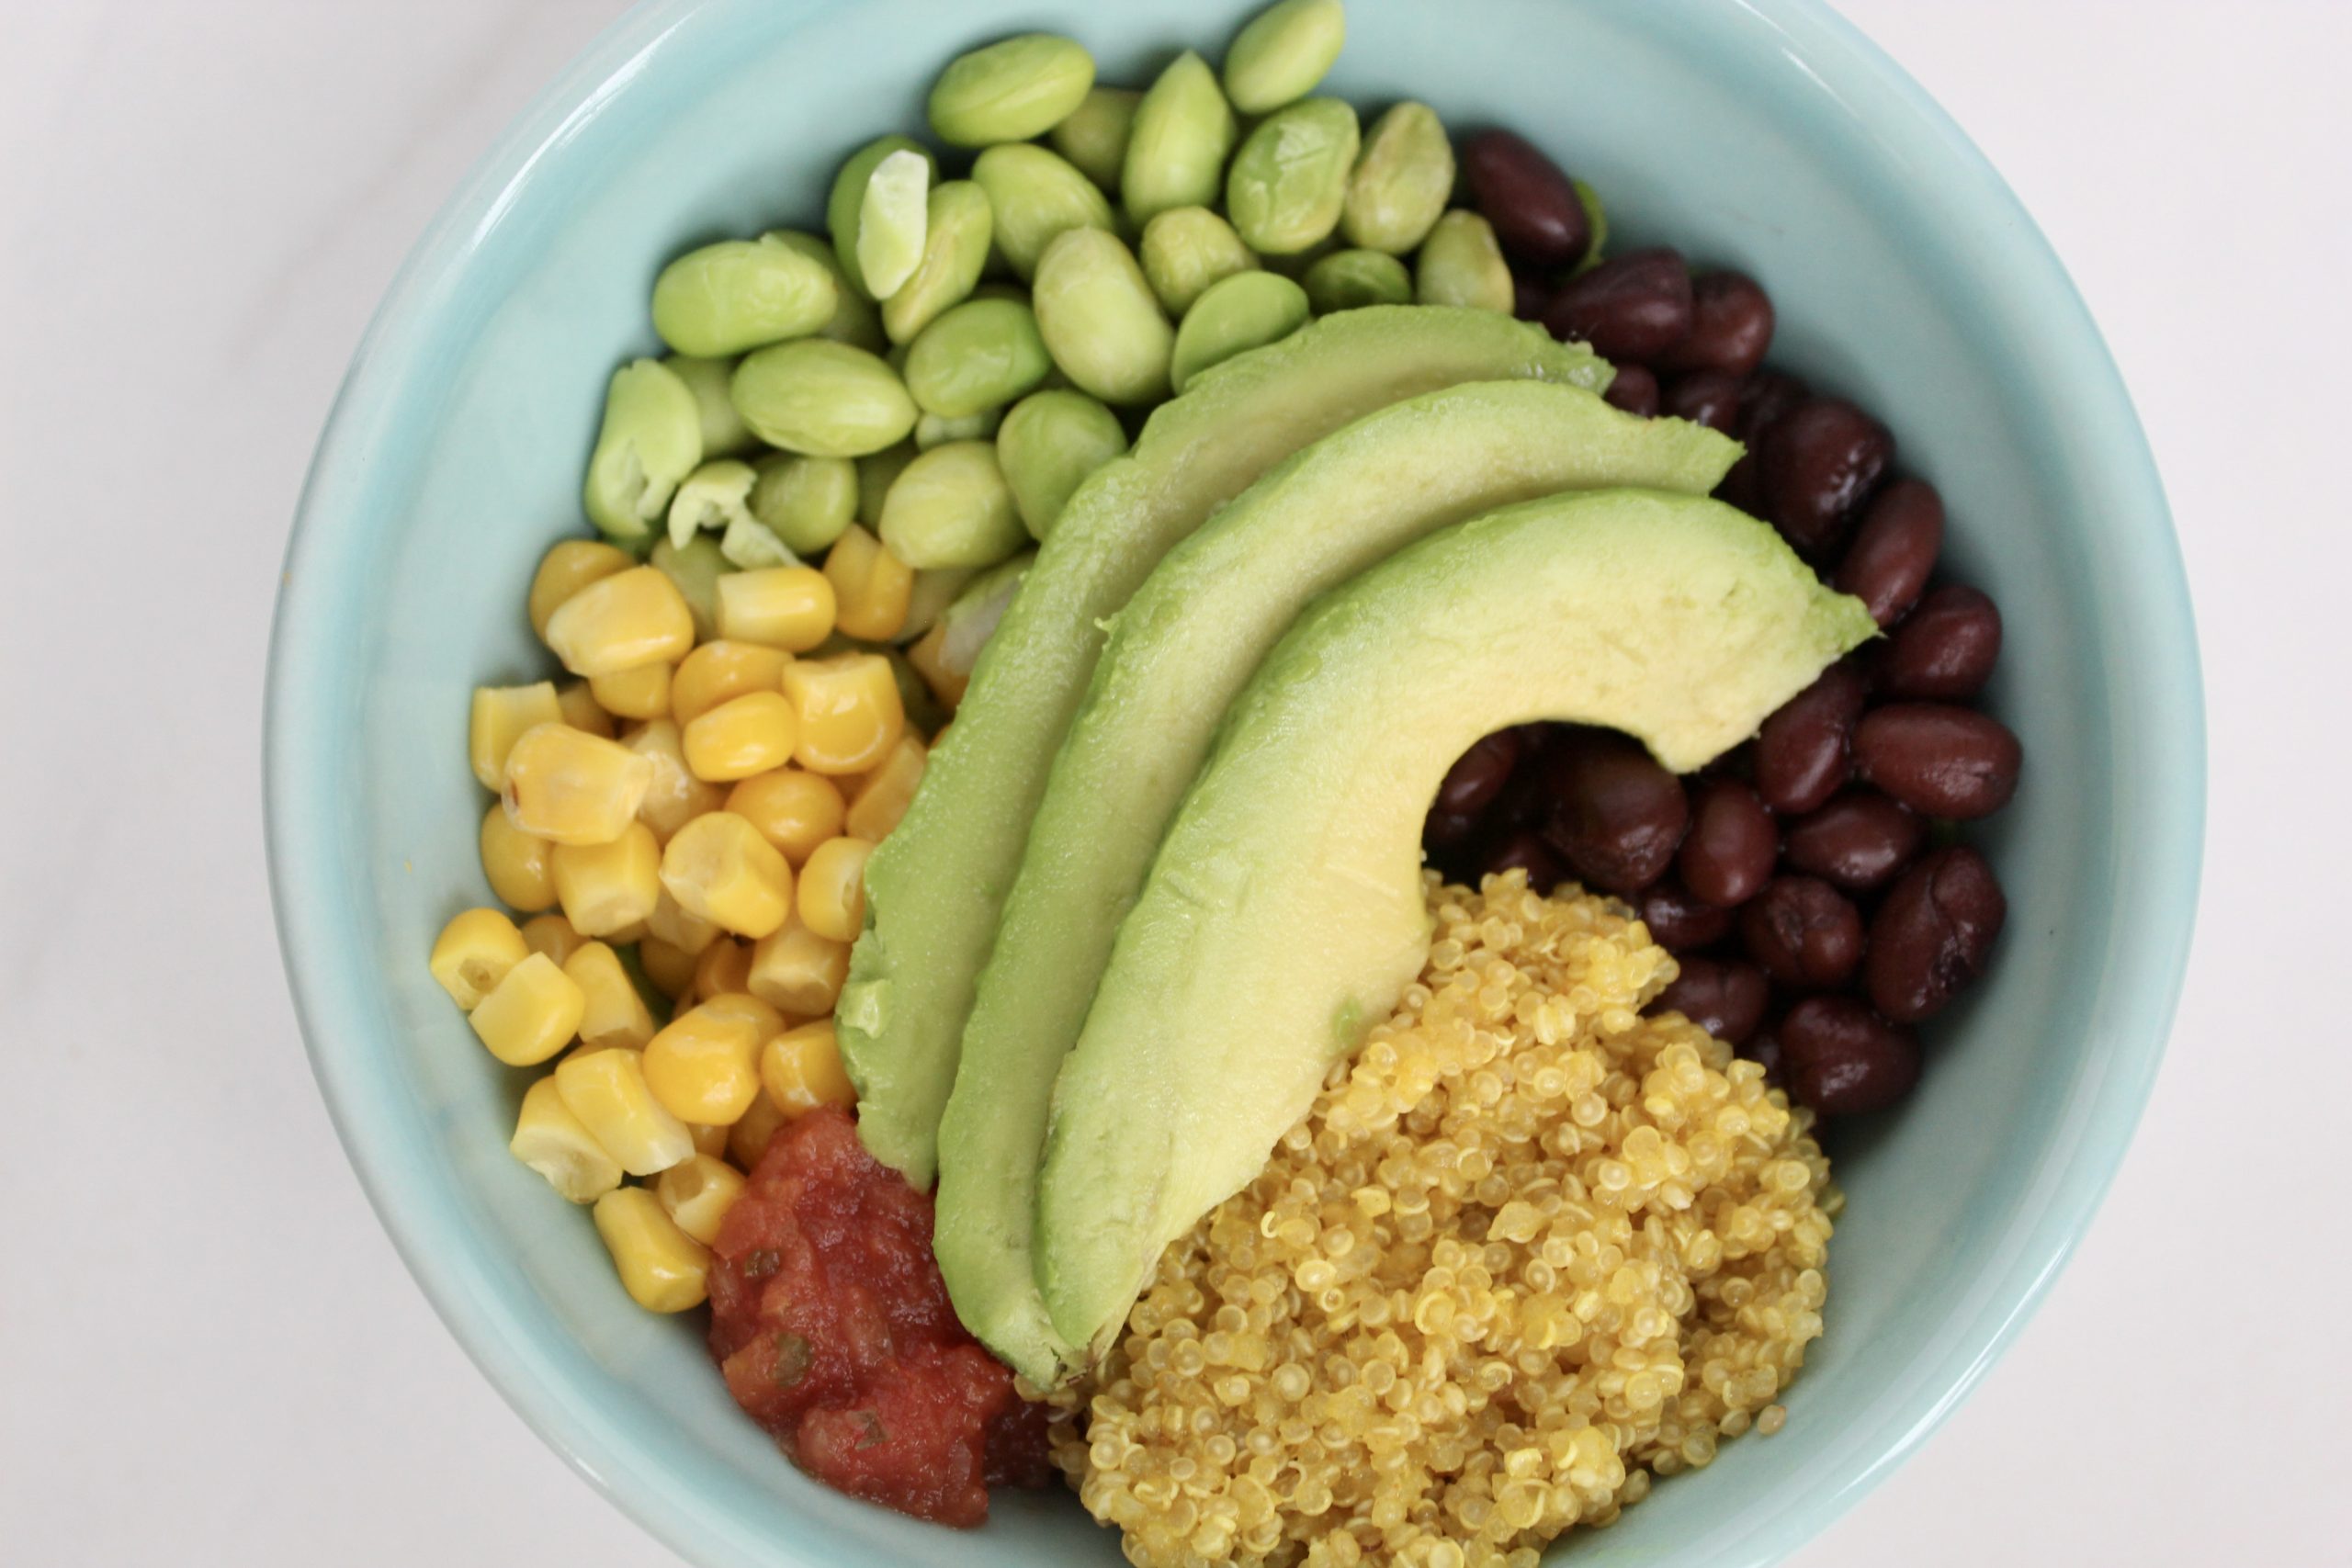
[1844, 1060]
[1894, 549]
[1802, 752]
[1805, 933]
[1528, 853]
[1704, 397]
[1681, 922]
[1765, 399]
[1531, 297]
[1730, 329]
[1859, 841]
[1934, 935]
[1727, 857]
[1763, 1048]
[1448, 829]
[1815, 466]
[1617, 815]
[1726, 999]
[1478, 775]
[1946, 650]
[1533, 206]
[1938, 760]
[1633, 307]
[1635, 389]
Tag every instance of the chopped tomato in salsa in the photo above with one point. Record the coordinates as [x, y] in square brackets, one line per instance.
[833, 1328]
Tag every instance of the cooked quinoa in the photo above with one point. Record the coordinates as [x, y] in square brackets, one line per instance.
[1529, 1249]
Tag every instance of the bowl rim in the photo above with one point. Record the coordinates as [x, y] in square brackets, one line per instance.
[647, 1482]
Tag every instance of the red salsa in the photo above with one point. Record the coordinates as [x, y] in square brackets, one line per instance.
[833, 1328]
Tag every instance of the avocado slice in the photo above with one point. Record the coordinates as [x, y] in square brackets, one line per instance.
[934, 887]
[1283, 913]
[1176, 655]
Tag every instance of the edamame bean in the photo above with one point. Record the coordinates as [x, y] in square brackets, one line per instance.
[1346, 280]
[875, 474]
[958, 227]
[1010, 91]
[739, 294]
[711, 497]
[695, 572]
[1184, 128]
[1047, 445]
[807, 502]
[1100, 319]
[952, 508]
[980, 355]
[1185, 249]
[1036, 195]
[1461, 265]
[651, 438]
[933, 591]
[1245, 311]
[1595, 219]
[1095, 136]
[855, 321]
[1401, 182]
[1282, 53]
[847, 202]
[1289, 182]
[723, 434]
[934, 430]
[892, 222]
[823, 399]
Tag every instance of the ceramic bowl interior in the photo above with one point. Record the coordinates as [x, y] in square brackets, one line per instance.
[1764, 135]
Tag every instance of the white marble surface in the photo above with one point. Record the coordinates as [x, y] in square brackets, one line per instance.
[207, 1351]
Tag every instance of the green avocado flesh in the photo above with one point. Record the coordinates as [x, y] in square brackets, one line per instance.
[1283, 913]
[936, 885]
[1176, 655]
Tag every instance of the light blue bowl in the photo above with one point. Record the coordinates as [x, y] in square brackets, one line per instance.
[1766, 135]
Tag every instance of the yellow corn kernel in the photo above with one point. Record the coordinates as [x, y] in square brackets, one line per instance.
[661, 1268]
[628, 935]
[742, 736]
[500, 717]
[871, 586]
[748, 1139]
[642, 693]
[566, 569]
[530, 1014]
[553, 1141]
[764, 1020]
[698, 1194]
[798, 970]
[619, 621]
[573, 788]
[675, 797]
[717, 670]
[790, 607]
[801, 1069]
[945, 683]
[718, 867]
[704, 1066]
[606, 1089]
[711, 1141]
[831, 892]
[616, 1014]
[882, 797]
[850, 712]
[580, 710]
[608, 888]
[520, 868]
[671, 969]
[553, 935]
[794, 809]
[473, 953]
[724, 968]
[672, 924]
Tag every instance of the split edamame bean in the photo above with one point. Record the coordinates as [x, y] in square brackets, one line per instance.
[893, 221]
[823, 399]
[1401, 182]
[1048, 444]
[1100, 319]
[1035, 195]
[875, 474]
[855, 321]
[695, 572]
[959, 225]
[808, 502]
[952, 508]
[846, 203]
[1461, 263]
[723, 434]
[1289, 182]
[711, 497]
[739, 294]
[1011, 90]
[1183, 129]
[1094, 135]
[1184, 249]
[1347, 280]
[1247, 310]
[1595, 219]
[980, 356]
[1282, 53]
[650, 438]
